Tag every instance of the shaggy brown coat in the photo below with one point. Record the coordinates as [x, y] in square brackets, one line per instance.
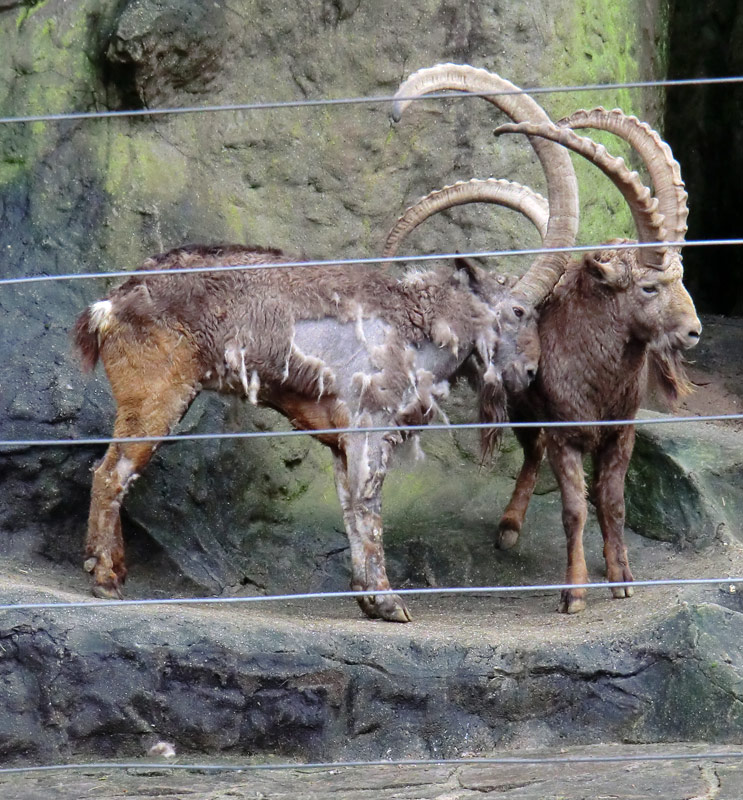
[608, 321]
[328, 347]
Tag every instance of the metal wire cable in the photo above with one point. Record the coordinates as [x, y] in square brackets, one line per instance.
[414, 762]
[428, 590]
[367, 261]
[505, 760]
[284, 104]
[449, 426]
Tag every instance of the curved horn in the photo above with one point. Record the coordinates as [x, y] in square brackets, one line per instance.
[643, 206]
[562, 186]
[493, 190]
[664, 170]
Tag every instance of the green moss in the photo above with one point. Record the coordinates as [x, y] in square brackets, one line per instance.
[139, 165]
[51, 74]
[28, 9]
[599, 43]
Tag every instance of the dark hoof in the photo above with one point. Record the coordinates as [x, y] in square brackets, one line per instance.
[572, 601]
[506, 537]
[110, 592]
[107, 580]
[389, 607]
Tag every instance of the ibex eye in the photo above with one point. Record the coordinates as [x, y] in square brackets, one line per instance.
[650, 289]
[518, 311]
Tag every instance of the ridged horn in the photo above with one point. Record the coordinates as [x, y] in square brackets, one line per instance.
[664, 170]
[492, 190]
[562, 186]
[643, 205]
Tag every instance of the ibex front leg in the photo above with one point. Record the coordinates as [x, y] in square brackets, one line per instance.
[567, 464]
[360, 471]
[610, 464]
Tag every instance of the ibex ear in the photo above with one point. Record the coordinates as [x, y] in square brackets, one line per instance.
[604, 271]
[472, 271]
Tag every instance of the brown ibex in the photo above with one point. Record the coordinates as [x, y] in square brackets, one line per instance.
[612, 317]
[325, 346]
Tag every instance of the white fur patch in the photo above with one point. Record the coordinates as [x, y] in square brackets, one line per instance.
[417, 277]
[490, 376]
[244, 372]
[101, 317]
[441, 390]
[444, 336]
[255, 385]
[360, 335]
[361, 381]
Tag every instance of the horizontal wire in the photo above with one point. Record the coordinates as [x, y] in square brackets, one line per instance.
[325, 595]
[428, 590]
[343, 101]
[367, 261]
[413, 762]
[449, 426]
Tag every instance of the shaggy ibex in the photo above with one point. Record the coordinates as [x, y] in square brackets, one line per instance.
[612, 316]
[327, 347]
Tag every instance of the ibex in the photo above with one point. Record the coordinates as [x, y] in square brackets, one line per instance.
[612, 317]
[327, 347]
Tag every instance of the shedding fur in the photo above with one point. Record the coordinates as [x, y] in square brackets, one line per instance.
[368, 358]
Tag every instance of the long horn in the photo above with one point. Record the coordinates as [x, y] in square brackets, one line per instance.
[643, 205]
[562, 186]
[493, 190]
[664, 170]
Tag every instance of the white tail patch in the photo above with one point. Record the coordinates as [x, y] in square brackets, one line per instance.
[101, 317]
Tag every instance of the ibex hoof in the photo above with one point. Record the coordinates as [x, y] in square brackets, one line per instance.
[570, 603]
[89, 564]
[107, 592]
[388, 607]
[506, 538]
[618, 576]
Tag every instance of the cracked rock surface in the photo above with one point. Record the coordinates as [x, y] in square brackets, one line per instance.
[704, 779]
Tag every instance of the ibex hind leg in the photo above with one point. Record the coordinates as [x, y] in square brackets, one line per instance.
[104, 546]
[150, 402]
[509, 527]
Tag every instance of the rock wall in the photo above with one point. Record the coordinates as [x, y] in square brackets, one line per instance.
[89, 195]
